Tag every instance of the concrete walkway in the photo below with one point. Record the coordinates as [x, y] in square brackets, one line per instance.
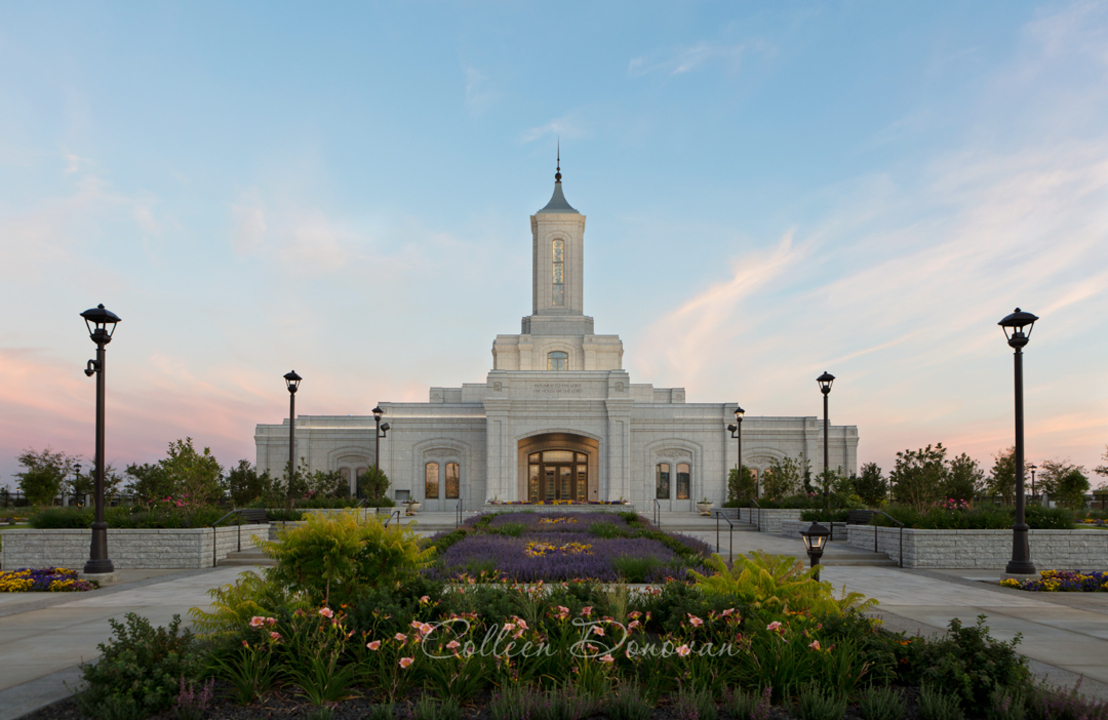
[43, 637]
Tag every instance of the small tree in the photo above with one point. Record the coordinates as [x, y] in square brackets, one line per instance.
[1103, 469]
[1071, 488]
[783, 477]
[964, 478]
[195, 477]
[148, 482]
[743, 489]
[327, 484]
[373, 484]
[1002, 478]
[43, 475]
[243, 484]
[919, 476]
[871, 485]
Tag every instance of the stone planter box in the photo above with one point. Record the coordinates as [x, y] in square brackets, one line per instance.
[128, 549]
[557, 508]
[992, 549]
[771, 518]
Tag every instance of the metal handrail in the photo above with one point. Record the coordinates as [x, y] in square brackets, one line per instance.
[233, 512]
[901, 534]
[458, 519]
[754, 501]
[657, 514]
[730, 536]
[391, 514]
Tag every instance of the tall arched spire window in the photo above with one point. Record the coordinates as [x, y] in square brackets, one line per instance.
[558, 294]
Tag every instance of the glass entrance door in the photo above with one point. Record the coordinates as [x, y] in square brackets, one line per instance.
[557, 475]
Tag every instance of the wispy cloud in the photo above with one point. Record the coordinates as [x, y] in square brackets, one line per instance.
[566, 127]
[479, 95]
[701, 54]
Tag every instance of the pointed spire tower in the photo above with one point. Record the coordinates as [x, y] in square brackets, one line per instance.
[557, 335]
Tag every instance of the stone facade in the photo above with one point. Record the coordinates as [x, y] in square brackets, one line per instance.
[127, 548]
[557, 416]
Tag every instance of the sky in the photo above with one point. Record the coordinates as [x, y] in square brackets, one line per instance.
[772, 190]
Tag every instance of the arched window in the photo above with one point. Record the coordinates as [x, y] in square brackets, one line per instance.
[557, 361]
[683, 481]
[431, 481]
[558, 296]
[661, 482]
[452, 485]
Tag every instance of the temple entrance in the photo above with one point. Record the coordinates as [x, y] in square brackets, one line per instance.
[558, 466]
[557, 475]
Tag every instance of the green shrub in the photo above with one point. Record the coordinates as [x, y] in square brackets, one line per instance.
[606, 530]
[131, 517]
[972, 665]
[633, 569]
[509, 529]
[140, 669]
[742, 705]
[333, 558]
[629, 703]
[821, 515]
[428, 708]
[982, 517]
[696, 704]
[1044, 518]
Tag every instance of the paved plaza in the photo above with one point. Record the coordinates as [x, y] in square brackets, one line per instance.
[44, 637]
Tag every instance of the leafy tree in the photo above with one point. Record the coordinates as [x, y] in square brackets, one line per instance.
[1051, 473]
[83, 485]
[871, 485]
[149, 482]
[195, 477]
[244, 485]
[919, 476]
[964, 478]
[1071, 488]
[43, 474]
[783, 477]
[1103, 469]
[1002, 478]
[373, 483]
[327, 484]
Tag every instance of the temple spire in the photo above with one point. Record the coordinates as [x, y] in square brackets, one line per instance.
[558, 171]
[558, 202]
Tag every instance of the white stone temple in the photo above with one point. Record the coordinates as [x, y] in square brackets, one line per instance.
[557, 417]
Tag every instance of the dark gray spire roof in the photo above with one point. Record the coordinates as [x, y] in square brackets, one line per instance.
[558, 202]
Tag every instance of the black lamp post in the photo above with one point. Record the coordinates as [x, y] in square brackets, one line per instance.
[737, 433]
[1033, 468]
[292, 381]
[815, 537]
[1013, 326]
[76, 476]
[101, 325]
[825, 381]
[381, 431]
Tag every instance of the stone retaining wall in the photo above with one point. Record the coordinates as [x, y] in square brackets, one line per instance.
[771, 518]
[127, 548]
[1050, 549]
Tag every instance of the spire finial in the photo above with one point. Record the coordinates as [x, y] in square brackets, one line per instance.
[558, 172]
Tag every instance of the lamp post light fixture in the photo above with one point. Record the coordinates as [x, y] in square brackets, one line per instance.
[1033, 468]
[292, 381]
[1013, 326]
[76, 476]
[825, 381]
[815, 538]
[737, 433]
[101, 326]
[381, 431]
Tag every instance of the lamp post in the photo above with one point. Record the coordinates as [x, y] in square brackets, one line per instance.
[76, 476]
[825, 381]
[1013, 326]
[381, 431]
[292, 381]
[101, 325]
[815, 537]
[737, 433]
[1033, 468]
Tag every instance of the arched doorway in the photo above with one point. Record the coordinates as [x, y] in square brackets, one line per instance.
[558, 466]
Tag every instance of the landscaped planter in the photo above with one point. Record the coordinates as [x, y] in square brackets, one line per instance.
[521, 507]
[769, 519]
[792, 528]
[127, 548]
[1058, 549]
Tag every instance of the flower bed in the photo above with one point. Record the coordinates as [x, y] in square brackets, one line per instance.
[1062, 581]
[527, 547]
[43, 580]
